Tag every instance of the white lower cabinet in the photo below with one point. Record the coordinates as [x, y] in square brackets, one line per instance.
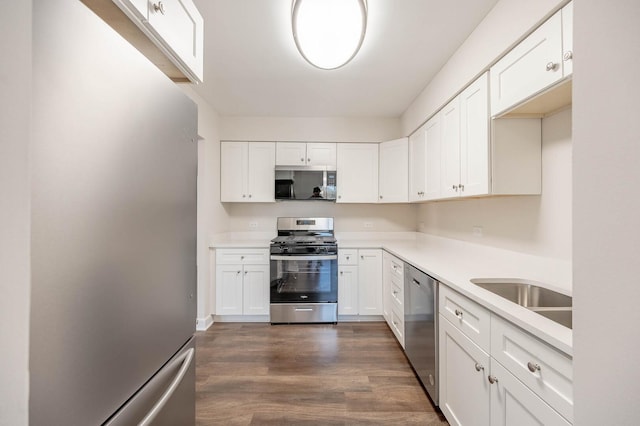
[360, 282]
[518, 380]
[464, 388]
[242, 282]
[393, 294]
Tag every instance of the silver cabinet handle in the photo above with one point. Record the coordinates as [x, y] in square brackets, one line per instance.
[458, 313]
[159, 7]
[454, 187]
[186, 362]
[416, 282]
[568, 55]
[533, 367]
[479, 367]
[492, 379]
[461, 186]
[551, 66]
[303, 309]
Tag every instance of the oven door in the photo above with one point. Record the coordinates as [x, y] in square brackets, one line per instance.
[304, 278]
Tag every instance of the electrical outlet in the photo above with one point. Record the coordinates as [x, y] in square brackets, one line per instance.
[253, 225]
[368, 224]
[477, 231]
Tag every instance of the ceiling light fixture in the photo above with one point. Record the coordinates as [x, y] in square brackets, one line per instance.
[328, 33]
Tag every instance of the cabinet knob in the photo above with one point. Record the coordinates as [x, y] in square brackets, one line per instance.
[238, 273]
[308, 160]
[492, 379]
[479, 367]
[461, 186]
[533, 367]
[551, 66]
[567, 55]
[245, 272]
[347, 257]
[249, 195]
[241, 257]
[244, 196]
[381, 197]
[159, 7]
[339, 197]
[458, 313]
[341, 272]
[302, 159]
[454, 187]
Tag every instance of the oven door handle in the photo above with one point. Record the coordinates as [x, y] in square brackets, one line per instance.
[313, 257]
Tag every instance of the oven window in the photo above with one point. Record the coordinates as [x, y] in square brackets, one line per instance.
[306, 279]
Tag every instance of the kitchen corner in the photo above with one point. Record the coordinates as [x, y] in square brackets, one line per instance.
[454, 263]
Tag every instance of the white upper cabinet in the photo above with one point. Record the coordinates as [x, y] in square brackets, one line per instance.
[357, 173]
[465, 142]
[247, 171]
[417, 165]
[179, 28]
[394, 171]
[567, 39]
[170, 33]
[306, 154]
[533, 65]
[433, 153]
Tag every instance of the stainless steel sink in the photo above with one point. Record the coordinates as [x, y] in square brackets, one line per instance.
[548, 303]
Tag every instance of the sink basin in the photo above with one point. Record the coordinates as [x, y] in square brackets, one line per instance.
[524, 293]
[547, 303]
[563, 316]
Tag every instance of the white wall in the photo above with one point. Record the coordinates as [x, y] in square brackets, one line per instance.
[15, 137]
[347, 217]
[212, 217]
[502, 28]
[312, 129]
[606, 237]
[539, 225]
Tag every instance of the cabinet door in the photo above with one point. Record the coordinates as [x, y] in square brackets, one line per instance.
[321, 154]
[417, 165]
[474, 138]
[528, 68]
[464, 388]
[348, 290]
[139, 8]
[261, 174]
[370, 282]
[394, 171]
[181, 27]
[229, 290]
[357, 174]
[255, 290]
[567, 39]
[451, 149]
[233, 171]
[433, 152]
[291, 153]
[512, 403]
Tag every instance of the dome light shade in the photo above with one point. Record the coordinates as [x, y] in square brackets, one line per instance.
[328, 33]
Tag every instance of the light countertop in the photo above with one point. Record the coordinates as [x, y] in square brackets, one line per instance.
[454, 263]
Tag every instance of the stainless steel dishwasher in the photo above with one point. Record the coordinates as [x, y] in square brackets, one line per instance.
[421, 327]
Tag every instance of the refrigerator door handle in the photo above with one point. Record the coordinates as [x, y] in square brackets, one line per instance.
[187, 359]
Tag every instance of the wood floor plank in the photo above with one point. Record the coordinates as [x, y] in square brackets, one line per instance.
[344, 374]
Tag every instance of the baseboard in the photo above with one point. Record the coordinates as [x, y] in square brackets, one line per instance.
[204, 323]
[242, 318]
[360, 318]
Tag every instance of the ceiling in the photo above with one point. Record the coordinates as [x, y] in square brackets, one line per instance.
[252, 67]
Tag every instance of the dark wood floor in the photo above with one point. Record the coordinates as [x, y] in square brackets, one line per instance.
[345, 374]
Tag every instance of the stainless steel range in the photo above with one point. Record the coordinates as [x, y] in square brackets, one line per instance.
[304, 271]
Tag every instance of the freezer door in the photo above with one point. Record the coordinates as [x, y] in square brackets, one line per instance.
[166, 400]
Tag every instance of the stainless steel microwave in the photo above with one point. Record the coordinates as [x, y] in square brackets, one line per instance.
[305, 183]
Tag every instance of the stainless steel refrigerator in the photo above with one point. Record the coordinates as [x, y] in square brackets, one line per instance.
[114, 167]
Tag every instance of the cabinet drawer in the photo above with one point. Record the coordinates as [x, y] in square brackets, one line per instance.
[242, 256]
[397, 268]
[518, 352]
[397, 325]
[397, 294]
[348, 257]
[472, 319]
